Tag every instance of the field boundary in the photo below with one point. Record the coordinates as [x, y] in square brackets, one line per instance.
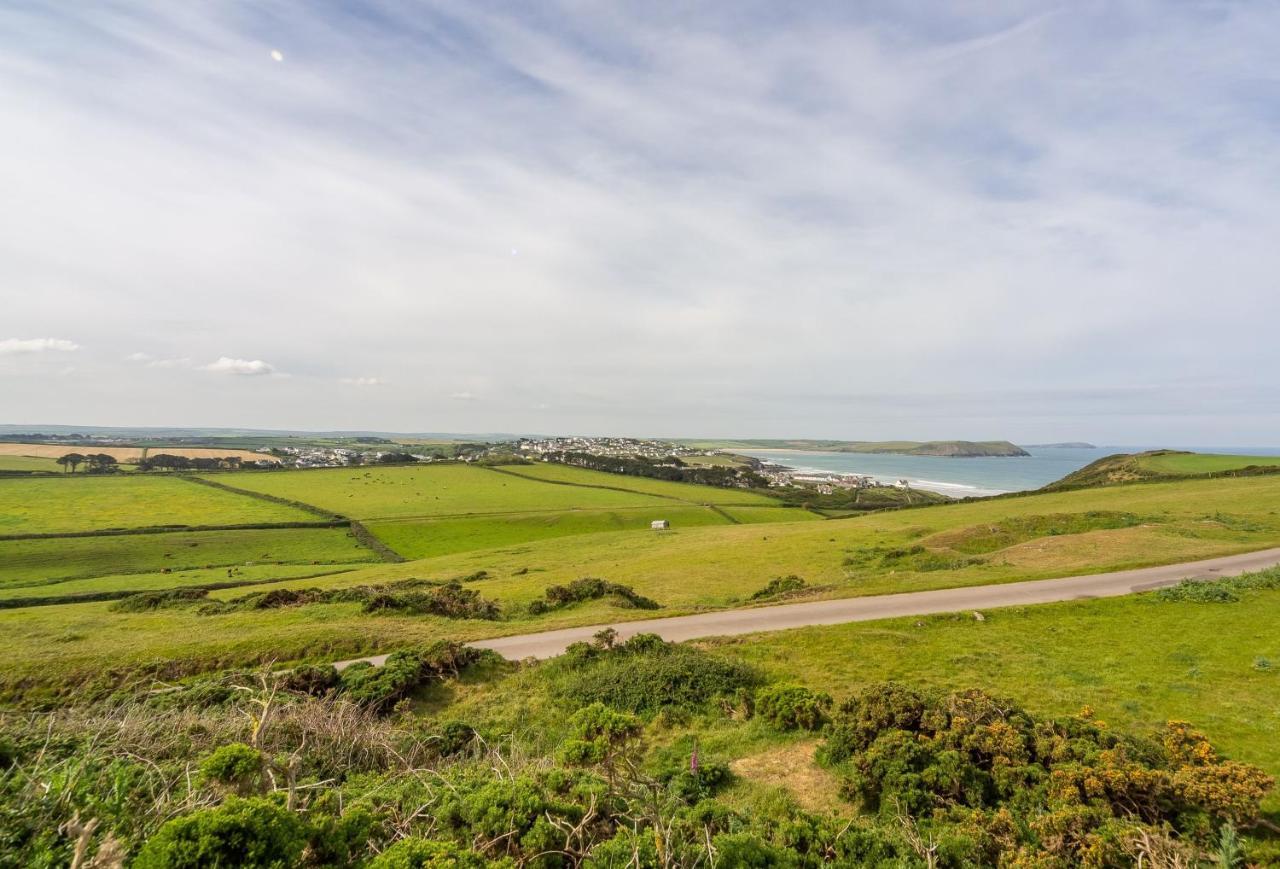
[14, 603]
[336, 522]
[371, 541]
[511, 473]
[733, 520]
[262, 496]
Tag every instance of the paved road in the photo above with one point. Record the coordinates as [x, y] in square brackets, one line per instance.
[859, 609]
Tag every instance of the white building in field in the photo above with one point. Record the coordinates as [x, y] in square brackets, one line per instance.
[659, 524]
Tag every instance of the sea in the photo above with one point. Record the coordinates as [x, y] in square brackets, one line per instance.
[970, 477]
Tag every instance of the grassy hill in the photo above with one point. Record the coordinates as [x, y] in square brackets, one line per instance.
[906, 448]
[1163, 465]
[685, 570]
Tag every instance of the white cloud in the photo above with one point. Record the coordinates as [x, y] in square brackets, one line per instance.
[462, 396]
[757, 209]
[248, 367]
[14, 346]
[362, 381]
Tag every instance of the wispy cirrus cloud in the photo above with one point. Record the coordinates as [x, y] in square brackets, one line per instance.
[16, 346]
[690, 217]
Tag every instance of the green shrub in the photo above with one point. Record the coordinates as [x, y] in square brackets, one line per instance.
[342, 840]
[172, 598]
[780, 585]
[426, 854]
[380, 687]
[645, 674]
[236, 766]
[316, 680]
[248, 833]
[793, 707]
[590, 588]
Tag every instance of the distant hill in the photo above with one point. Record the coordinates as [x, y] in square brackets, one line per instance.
[1164, 465]
[953, 449]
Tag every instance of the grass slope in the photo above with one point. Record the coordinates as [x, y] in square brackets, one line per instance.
[1162, 464]
[38, 562]
[85, 503]
[431, 490]
[557, 473]
[686, 570]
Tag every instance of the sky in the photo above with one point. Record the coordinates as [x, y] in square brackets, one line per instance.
[1032, 221]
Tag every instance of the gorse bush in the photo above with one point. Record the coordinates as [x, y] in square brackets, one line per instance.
[1226, 590]
[780, 585]
[949, 781]
[646, 674]
[410, 596]
[254, 834]
[590, 588]
[1069, 789]
[379, 688]
[237, 766]
[792, 707]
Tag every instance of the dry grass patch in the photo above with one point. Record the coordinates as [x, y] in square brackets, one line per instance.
[792, 768]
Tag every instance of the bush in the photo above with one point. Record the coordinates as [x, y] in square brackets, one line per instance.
[172, 598]
[379, 688]
[645, 674]
[780, 585]
[311, 679]
[793, 707]
[590, 588]
[426, 854]
[248, 833]
[236, 766]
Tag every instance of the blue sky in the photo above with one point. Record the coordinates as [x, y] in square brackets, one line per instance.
[1002, 219]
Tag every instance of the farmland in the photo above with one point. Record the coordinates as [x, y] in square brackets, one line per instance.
[169, 611]
[46, 561]
[692, 567]
[82, 503]
[1204, 463]
[128, 455]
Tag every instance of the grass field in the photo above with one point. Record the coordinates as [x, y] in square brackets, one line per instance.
[679, 491]
[37, 562]
[1203, 463]
[438, 490]
[243, 575]
[686, 570]
[427, 538]
[85, 503]
[128, 454]
[27, 463]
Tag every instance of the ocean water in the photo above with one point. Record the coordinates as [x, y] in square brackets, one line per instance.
[964, 477]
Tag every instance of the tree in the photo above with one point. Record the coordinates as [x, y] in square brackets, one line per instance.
[101, 463]
[72, 459]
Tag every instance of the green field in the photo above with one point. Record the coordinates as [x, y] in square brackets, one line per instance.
[427, 538]
[27, 463]
[1203, 463]
[556, 473]
[686, 570]
[37, 562]
[244, 575]
[86, 503]
[436, 490]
